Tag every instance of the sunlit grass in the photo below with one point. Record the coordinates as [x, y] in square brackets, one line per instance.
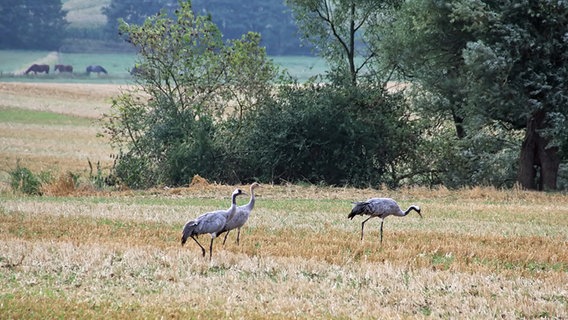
[16, 115]
[11, 60]
[477, 253]
[99, 253]
[119, 65]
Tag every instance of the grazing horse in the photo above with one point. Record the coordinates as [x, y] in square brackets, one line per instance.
[97, 69]
[63, 68]
[35, 68]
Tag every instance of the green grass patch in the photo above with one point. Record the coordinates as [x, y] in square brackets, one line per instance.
[11, 60]
[22, 116]
[119, 65]
[302, 67]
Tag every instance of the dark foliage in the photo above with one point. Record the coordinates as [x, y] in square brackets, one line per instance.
[32, 24]
[271, 19]
[326, 135]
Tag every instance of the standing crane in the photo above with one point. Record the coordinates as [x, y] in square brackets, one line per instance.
[242, 215]
[210, 222]
[379, 207]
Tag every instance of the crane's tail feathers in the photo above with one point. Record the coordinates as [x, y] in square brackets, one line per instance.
[351, 215]
[360, 208]
[188, 231]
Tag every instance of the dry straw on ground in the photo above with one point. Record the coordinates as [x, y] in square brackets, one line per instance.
[478, 253]
[299, 257]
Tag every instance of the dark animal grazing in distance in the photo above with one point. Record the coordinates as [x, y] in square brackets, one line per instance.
[379, 207]
[63, 68]
[35, 68]
[97, 69]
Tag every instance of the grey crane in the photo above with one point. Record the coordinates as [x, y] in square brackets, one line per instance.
[379, 207]
[210, 222]
[242, 215]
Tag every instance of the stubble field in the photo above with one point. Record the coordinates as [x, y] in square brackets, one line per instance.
[478, 253]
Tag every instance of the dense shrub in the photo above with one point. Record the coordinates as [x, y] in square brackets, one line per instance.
[25, 181]
[473, 161]
[171, 125]
[326, 135]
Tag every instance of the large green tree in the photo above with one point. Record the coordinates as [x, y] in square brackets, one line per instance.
[380, 132]
[343, 32]
[518, 68]
[492, 61]
[272, 19]
[189, 84]
[32, 24]
[132, 12]
[424, 46]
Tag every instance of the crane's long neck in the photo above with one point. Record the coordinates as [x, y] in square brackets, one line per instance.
[233, 207]
[250, 204]
[415, 208]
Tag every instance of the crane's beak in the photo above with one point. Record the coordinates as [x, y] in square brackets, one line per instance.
[420, 214]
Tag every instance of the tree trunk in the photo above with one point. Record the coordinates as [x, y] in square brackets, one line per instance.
[538, 165]
[458, 122]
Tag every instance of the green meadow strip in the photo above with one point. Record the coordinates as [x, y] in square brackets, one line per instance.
[22, 116]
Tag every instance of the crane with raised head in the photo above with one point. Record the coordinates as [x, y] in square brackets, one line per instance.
[211, 222]
[242, 215]
[381, 208]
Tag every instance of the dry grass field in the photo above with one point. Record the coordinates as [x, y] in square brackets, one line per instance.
[478, 253]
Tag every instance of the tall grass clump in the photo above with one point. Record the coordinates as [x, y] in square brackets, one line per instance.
[25, 181]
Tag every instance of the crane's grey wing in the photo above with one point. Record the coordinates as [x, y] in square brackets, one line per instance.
[239, 219]
[379, 207]
[384, 207]
[213, 222]
[206, 223]
[361, 208]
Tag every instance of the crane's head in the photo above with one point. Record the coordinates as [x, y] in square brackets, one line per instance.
[417, 209]
[254, 185]
[238, 192]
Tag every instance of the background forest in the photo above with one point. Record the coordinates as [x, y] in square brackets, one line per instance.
[454, 93]
[84, 26]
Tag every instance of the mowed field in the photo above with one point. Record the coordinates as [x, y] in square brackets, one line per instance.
[478, 253]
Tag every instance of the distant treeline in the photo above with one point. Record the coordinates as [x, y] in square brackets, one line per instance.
[27, 24]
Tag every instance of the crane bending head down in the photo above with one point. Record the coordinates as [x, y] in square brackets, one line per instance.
[381, 208]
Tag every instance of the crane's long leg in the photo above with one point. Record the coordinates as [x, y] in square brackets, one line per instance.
[211, 248]
[238, 235]
[382, 230]
[199, 244]
[363, 226]
[226, 235]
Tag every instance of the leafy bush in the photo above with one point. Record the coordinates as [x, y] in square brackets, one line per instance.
[475, 160]
[170, 127]
[23, 180]
[326, 134]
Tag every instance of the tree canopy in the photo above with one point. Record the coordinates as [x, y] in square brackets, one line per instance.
[32, 24]
[271, 19]
[194, 80]
[491, 62]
